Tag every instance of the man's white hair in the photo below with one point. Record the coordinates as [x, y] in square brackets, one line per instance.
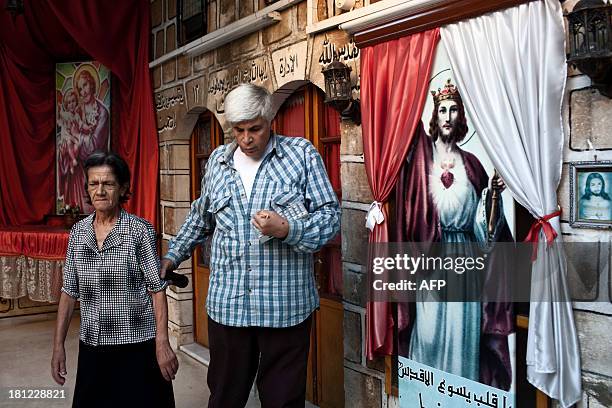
[248, 102]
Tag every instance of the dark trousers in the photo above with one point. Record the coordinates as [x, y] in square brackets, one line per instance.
[120, 376]
[278, 356]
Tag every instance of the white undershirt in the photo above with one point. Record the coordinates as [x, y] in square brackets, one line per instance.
[247, 167]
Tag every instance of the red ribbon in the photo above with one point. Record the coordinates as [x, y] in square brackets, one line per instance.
[549, 232]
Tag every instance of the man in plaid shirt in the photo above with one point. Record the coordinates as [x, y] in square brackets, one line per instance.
[269, 204]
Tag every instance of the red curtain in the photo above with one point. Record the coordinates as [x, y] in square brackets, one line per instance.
[394, 80]
[113, 33]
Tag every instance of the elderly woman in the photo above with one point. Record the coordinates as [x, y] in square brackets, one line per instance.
[112, 268]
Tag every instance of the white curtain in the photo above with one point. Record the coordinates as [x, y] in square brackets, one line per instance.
[510, 70]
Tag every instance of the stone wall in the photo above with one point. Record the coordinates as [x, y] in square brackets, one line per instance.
[364, 380]
[586, 116]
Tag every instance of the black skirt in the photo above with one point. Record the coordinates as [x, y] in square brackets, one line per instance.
[125, 375]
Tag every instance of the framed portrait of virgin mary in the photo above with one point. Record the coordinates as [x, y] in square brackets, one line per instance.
[82, 95]
[590, 196]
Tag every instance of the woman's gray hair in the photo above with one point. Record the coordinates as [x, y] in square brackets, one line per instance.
[248, 102]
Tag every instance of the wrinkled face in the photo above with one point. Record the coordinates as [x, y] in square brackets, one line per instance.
[252, 136]
[85, 90]
[71, 102]
[103, 188]
[595, 186]
[447, 116]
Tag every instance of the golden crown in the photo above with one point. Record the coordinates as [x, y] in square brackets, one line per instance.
[450, 91]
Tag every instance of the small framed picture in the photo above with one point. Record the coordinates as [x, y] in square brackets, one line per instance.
[590, 195]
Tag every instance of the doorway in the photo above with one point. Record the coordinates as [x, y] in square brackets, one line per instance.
[206, 136]
[303, 114]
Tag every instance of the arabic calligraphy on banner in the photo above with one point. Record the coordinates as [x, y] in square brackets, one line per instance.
[330, 45]
[256, 71]
[346, 52]
[290, 63]
[432, 388]
[169, 105]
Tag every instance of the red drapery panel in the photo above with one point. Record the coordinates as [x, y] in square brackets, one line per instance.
[394, 80]
[113, 33]
[40, 242]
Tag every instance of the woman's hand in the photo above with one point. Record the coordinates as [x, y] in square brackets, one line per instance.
[58, 365]
[166, 359]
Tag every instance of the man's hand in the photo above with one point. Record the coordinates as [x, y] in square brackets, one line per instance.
[58, 365]
[166, 266]
[166, 359]
[270, 223]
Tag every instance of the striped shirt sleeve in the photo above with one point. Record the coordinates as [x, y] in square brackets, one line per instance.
[310, 234]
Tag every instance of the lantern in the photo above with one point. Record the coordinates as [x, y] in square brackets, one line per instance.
[338, 91]
[590, 32]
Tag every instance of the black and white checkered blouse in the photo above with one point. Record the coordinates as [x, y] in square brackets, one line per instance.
[113, 284]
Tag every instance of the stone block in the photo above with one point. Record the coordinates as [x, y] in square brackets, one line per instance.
[169, 71]
[171, 38]
[156, 77]
[361, 390]
[598, 390]
[245, 45]
[151, 47]
[589, 120]
[174, 157]
[180, 312]
[351, 138]
[203, 61]
[157, 12]
[563, 193]
[179, 337]
[352, 336]
[355, 286]
[174, 187]
[247, 7]
[224, 55]
[595, 352]
[302, 20]
[184, 66]
[227, 12]
[171, 11]
[321, 10]
[173, 219]
[583, 267]
[159, 43]
[280, 30]
[355, 185]
[354, 236]
[377, 364]
[212, 16]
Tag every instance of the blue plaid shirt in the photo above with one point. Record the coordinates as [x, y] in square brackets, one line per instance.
[255, 284]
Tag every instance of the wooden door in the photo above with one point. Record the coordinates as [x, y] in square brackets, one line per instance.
[206, 136]
[304, 115]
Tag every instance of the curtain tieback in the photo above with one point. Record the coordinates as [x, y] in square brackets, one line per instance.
[374, 215]
[549, 232]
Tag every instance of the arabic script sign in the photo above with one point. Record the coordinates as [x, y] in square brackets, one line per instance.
[423, 386]
[290, 63]
[170, 108]
[257, 71]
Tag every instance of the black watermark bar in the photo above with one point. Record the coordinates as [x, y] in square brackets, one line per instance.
[489, 272]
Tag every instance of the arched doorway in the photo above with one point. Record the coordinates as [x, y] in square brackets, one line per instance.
[206, 136]
[303, 114]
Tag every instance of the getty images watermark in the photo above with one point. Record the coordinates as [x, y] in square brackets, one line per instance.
[470, 272]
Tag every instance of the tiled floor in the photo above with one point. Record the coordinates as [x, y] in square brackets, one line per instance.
[25, 358]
